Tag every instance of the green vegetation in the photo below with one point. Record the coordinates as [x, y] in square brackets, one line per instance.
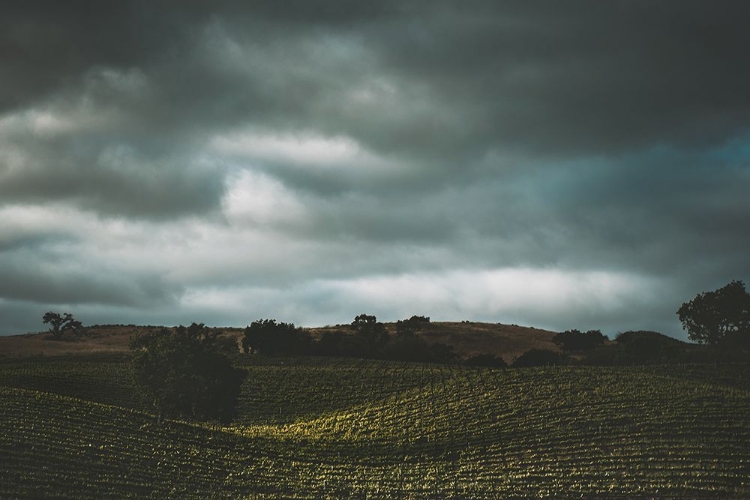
[101, 378]
[182, 372]
[575, 340]
[365, 337]
[342, 428]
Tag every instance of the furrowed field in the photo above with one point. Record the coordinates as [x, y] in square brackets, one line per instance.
[337, 428]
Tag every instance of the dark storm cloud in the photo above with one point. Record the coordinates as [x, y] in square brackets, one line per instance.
[43, 274]
[112, 179]
[82, 287]
[586, 78]
[527, 74]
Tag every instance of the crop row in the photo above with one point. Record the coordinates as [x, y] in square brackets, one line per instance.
[369, 429]
[108, 382]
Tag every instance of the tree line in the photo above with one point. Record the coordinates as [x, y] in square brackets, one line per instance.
[188, 371]
[365, 337]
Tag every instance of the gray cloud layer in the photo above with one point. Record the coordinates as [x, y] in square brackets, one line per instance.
[162, 161]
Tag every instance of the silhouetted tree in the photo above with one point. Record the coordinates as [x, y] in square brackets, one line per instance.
[370, 335]
[59, 324]
[575, 340]
[182, 372]
[411, 326]
[719, 316]
[270, 338]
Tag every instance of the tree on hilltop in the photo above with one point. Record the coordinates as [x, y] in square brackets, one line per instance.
[370, 330]
[720, 317]
[411, 326]
[60, 323]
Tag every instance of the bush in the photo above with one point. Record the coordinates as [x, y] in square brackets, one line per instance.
[267, 337]
[538, 357]
[489, 360]
[575, 340]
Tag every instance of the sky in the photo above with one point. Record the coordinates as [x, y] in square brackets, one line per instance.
[551, 164]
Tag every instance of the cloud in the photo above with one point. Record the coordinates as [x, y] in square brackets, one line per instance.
[320, 160]
[541, 298]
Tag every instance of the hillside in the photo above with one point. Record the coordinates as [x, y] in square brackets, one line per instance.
[337, 428]
[468, 338]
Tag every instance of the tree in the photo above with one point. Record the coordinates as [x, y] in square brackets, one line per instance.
[370, 334]
[575, 340]
[182, 372]
[268, 337]
[718, 318]
[410, 327]
[59, 324]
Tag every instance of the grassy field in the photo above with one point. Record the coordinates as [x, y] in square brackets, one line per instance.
[339, 428]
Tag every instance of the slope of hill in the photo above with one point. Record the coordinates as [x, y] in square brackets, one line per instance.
[317, 428]
[506, 341]
[468, 339]
[96, 340]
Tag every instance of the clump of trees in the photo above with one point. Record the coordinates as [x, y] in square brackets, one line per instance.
[268, 337]
[183, 372]
[412, 326]
[61, 323]
[370, 336]
[364, 337]
[575, 340]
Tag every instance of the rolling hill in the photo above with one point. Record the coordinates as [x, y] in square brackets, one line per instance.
[468, 338]
[341, 428]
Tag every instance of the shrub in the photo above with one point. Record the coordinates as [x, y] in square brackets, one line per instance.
[489, 360]
[538, 357]
[575, 340]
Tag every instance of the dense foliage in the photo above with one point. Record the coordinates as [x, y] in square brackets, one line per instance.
[575, 340]
[538, 357]
[268, 337]
[720, 317]
[182, 372]
[410, 327]
[365, 337]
